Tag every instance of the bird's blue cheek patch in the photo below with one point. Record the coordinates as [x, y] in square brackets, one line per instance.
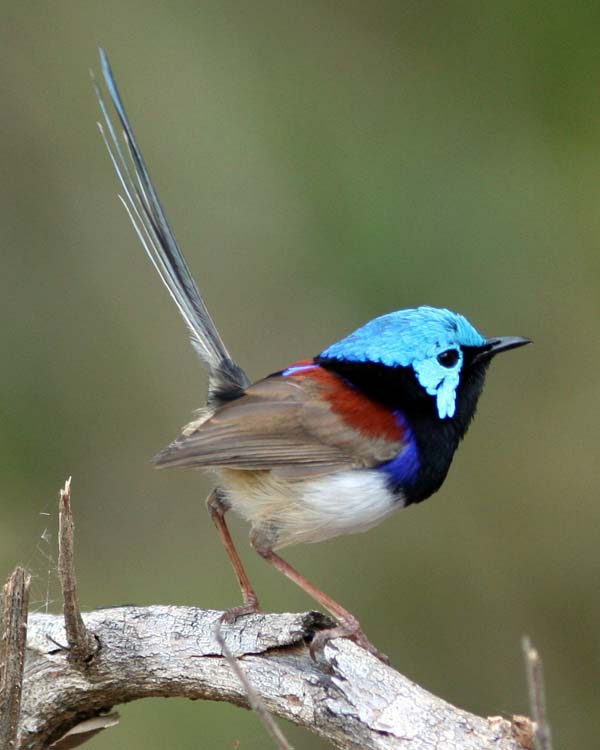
[440, 382]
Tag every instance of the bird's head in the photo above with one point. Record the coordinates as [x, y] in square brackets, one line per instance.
[440, 346]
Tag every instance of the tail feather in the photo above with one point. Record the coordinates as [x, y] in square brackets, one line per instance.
[141, 201]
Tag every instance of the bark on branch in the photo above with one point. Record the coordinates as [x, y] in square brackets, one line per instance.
[172, 651]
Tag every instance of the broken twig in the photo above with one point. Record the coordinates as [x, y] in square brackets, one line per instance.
[82, 644]
[542, 739]
[12, 655]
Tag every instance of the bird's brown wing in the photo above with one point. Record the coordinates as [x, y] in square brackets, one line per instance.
[282, 424]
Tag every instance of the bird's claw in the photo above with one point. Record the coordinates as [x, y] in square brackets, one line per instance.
[350, 629]
[249, 607]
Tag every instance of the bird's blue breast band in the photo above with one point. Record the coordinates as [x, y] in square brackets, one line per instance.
[404, 468]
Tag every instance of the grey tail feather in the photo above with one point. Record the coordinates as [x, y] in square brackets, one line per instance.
[226, 379]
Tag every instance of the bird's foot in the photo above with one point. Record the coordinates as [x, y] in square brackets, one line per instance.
[249, 607]
[229, 617]
[348, 627]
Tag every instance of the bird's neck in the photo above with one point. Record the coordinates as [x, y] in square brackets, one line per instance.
[434, 440]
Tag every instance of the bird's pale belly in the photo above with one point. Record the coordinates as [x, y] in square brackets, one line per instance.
[283, 513]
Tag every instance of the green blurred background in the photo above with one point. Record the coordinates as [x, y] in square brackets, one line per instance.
[322, 163]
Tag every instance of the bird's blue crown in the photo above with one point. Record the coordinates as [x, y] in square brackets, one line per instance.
[428, 339]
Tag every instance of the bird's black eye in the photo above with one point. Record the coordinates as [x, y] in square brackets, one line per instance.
[448, 358]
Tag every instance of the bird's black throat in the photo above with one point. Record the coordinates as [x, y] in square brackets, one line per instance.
[398, 389]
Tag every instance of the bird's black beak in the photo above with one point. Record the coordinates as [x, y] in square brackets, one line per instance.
[500, 344]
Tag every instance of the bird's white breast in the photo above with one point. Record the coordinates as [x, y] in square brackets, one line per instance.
[310, 510]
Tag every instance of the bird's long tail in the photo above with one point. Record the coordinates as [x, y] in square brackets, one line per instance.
[226, 378]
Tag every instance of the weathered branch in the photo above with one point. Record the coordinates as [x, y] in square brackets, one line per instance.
[12, 655]
[171, 651]
[78, 667]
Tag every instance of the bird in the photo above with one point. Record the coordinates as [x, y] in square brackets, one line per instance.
[328, 445]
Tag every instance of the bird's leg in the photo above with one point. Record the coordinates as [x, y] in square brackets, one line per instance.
[348, 627]
[217, 507]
